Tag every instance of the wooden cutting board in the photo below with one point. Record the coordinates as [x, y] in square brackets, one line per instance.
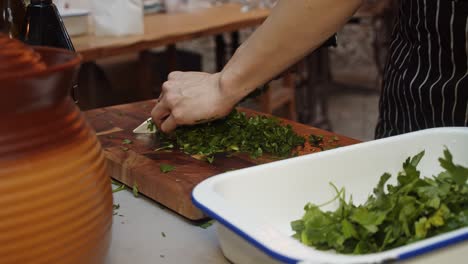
[138, 164]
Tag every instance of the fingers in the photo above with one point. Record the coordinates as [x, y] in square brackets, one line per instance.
[159, 113]
[174, 75]
[169, 124]
[179, 75]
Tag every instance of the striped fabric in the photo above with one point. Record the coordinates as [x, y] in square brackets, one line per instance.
[426, 77]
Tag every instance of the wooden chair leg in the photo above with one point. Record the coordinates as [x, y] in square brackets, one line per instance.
[265, 102]
[171, 53]
[220, 52]
[235, 39]
[94, 89]
[289, 83]
[145, 78]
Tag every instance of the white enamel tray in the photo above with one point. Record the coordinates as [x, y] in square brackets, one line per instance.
[254, 206]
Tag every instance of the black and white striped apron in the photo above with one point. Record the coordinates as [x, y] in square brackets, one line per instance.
[426, 77]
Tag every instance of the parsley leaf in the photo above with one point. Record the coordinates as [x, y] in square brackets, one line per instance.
[169, 146]
[415, 208]
[316, 141]
[166, 168]
[458, 173]
[118, 189]
[135, 190]
[207, 224]
[151, 126]
[127, 141]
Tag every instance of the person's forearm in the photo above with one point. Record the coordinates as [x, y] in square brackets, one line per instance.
[294, 29]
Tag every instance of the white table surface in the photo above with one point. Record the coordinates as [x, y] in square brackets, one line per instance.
[137, 235]
[137, 238]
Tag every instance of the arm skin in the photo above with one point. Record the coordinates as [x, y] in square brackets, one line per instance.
[294, 29]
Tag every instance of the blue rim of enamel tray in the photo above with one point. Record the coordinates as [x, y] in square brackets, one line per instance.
[285, 259]
[251, 240]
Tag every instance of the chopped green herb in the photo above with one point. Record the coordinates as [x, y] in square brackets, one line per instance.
[118, 189]
[163, 234]
[166, 168]
[135, 189]
[114, 182]
[151, 126]
[236, 133]
[415, 208]
[170, 146]
[207, 224]
[210, 159]
[115, 207]
[124, 148]
[316, 141]
[161, 256]
[127, 141]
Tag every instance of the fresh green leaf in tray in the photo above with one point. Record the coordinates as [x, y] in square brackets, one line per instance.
[415, 208]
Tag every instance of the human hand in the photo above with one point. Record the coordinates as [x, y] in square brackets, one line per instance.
[189, 98]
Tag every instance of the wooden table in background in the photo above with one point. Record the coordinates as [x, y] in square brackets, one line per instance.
[166, 30]
[140, 164]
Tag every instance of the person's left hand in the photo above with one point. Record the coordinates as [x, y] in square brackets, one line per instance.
[189, 98]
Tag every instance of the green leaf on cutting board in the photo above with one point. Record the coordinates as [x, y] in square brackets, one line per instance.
[127, 141]
[166, 168]
[236, 133]
[166, 147]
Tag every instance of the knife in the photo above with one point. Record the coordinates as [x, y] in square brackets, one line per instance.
[143, 128]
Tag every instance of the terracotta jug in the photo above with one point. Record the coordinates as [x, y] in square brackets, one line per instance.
[55, 193]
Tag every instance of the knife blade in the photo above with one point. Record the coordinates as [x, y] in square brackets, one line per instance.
[143, 128]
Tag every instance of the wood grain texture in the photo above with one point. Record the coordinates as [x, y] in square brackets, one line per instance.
[138, 163]
[166, 29]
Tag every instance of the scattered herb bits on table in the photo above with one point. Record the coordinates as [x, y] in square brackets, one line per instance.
[235, 133]
[414, 209]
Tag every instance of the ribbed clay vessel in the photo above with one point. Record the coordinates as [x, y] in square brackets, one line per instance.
[55, 193]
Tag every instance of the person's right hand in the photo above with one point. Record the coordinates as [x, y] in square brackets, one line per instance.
[189, 98]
